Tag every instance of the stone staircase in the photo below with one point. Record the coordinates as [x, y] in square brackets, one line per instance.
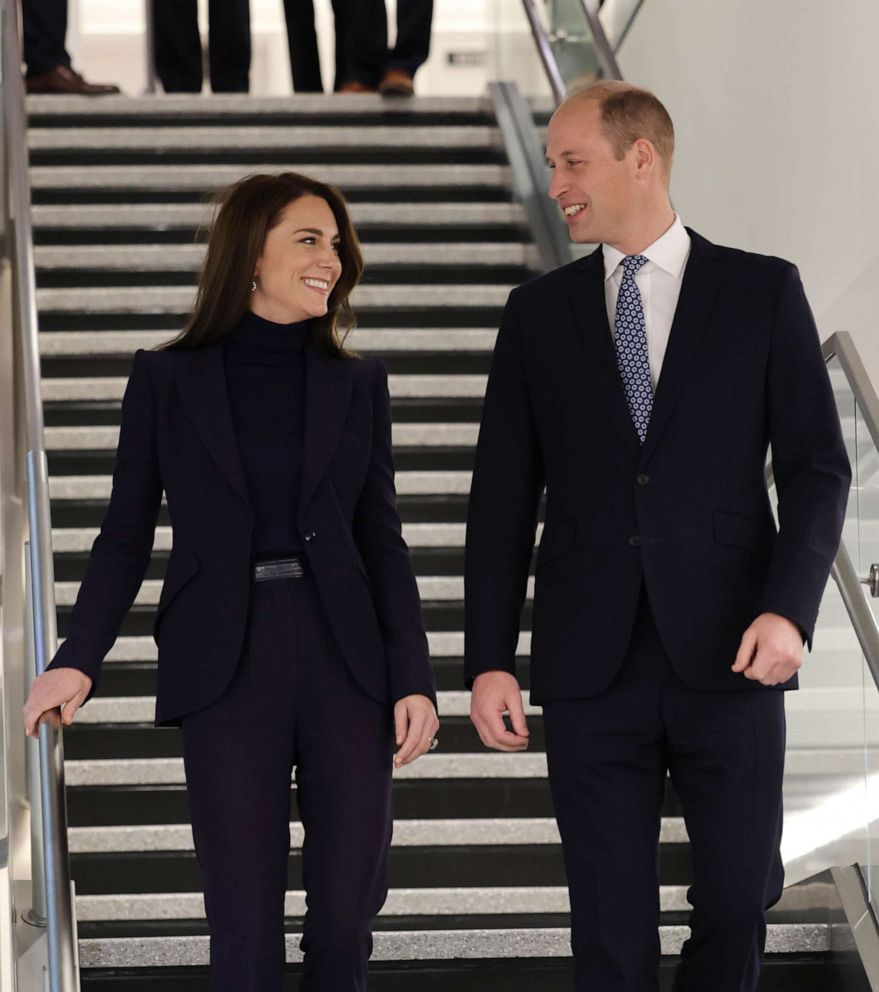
[477, 896]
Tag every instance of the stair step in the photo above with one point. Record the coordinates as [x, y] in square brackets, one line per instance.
[107, 438]
[140, 709]
[428, 945]
[79, 487]
[198, 178]
[226, 105]
[75, 344]
[189, 258]
[189, 216]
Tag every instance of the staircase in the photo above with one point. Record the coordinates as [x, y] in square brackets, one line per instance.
[477, 896]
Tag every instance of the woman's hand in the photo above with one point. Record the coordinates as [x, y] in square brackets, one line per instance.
[64, 687]
[416, 725]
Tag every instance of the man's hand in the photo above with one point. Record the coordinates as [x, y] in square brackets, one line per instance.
[496, 693]
[771, 650]
[64, 687]
[416, 725]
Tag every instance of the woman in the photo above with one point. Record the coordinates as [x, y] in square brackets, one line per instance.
[289, 626]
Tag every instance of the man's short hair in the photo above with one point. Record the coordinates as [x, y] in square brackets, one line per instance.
[629, 113]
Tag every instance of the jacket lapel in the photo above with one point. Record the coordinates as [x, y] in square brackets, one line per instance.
[589, 308]
[328, 388]
[702, 277]
[205, 398]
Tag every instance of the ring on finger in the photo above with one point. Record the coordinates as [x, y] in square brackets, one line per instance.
[432, 743]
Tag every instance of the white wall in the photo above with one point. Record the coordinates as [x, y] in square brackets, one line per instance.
[776, 110]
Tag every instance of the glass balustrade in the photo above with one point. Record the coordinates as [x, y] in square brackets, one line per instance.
[831, 785]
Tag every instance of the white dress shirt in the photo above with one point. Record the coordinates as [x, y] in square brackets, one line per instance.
[659, 283]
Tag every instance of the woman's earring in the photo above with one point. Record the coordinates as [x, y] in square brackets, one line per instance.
[253, 286]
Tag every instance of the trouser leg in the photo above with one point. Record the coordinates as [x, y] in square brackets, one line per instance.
[343, 785]
[607, 776]
[177, 45]
[726, 756]
[238, 755]
[44, 27]
[414, 19]
[229, 45]
[367, 51]
[302, 45]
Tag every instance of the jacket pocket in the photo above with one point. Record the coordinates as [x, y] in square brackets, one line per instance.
[741, 532]
[182, 567]
[558, 540]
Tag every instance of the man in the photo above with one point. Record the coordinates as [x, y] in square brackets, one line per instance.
[44, 28]
[641, 387]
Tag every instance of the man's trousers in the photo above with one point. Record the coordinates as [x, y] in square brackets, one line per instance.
[608, 758]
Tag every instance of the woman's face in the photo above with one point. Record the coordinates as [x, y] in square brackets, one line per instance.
[299, 264]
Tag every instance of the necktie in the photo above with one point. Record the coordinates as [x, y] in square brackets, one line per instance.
[631, 346]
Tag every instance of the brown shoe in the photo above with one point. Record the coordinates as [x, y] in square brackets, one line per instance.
[62, 79]
[395, 82]
[355, 86]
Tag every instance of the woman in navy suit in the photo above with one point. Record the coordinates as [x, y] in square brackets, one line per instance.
[289, 626]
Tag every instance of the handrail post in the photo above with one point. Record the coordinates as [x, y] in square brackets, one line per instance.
[36, 915]
[59, 901]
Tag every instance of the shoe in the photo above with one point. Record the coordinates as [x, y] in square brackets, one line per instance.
[62, 79]
[355, 86]
[395, 82]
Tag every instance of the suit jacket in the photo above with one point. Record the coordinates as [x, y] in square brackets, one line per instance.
[687, 514]
[177, 434]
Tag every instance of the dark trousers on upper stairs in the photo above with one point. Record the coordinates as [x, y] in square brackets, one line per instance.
[608, 758]
[44, 27]
[368, 53]
[178, 45]
[292, 703]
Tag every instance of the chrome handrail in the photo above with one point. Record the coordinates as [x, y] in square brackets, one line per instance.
[544, 50]
[28, 414]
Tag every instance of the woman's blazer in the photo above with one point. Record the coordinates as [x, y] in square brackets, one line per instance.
[177, 435]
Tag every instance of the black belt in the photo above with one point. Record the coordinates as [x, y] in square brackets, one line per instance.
[280, 568]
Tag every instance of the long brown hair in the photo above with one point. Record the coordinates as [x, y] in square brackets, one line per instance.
[249, 209]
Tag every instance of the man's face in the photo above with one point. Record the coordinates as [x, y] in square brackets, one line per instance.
[596, 192]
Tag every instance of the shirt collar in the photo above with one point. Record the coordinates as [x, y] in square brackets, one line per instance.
[668, 252]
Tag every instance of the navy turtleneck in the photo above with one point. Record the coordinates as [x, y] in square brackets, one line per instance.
[265, 375]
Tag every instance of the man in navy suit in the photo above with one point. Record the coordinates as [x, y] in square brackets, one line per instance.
[642, 387]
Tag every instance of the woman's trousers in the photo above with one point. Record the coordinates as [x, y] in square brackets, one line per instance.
[292, 703]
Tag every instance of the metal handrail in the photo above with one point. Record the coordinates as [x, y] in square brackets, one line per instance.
[18, 251]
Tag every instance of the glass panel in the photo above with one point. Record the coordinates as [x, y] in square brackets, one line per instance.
[516, 55]
[825, 797]
[866, 553]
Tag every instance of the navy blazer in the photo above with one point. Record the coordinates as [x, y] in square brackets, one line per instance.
[687, 514]
[177, 435]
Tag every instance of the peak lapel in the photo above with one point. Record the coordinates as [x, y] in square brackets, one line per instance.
[589, 308]
[327, 397]
[205, 398]
[699, 287]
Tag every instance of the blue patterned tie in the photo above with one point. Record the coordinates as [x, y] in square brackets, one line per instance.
[631, 345]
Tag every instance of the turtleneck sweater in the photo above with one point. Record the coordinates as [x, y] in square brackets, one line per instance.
[265, 375]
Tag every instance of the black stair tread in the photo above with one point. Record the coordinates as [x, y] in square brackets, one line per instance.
[95, 742]
[410, 867]
[413, 799]
[781, 973]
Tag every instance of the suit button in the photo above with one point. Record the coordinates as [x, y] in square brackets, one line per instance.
[310, 536]
[634, 541]
[643, 480]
